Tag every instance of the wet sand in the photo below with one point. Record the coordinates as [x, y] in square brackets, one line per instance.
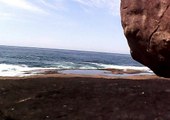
[84, 97]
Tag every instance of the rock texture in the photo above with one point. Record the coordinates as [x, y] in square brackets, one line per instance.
[146, 25]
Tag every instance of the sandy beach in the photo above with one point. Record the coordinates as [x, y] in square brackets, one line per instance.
[80, 97]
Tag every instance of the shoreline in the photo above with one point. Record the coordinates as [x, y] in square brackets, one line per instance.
[72, 76]
[92, 73]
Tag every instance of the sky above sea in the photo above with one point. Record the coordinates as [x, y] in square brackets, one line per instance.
[90, 25]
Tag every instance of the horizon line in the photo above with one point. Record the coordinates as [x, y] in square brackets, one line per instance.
[63, 49]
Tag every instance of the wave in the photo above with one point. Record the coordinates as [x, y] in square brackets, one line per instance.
[108, 66]
[10, 70]
[91, 65]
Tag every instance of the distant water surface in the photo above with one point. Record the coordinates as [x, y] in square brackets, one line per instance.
[20, 61]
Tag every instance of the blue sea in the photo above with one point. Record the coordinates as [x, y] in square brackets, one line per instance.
[24, 61]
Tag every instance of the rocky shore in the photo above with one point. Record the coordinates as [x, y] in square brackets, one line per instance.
[69, 97]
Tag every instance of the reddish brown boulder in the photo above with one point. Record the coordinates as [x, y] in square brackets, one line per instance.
[146, 25]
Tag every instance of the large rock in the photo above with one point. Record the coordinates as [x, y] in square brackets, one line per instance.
[146, 25]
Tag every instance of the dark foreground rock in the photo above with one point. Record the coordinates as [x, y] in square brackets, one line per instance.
[146, 26]
[84, 99]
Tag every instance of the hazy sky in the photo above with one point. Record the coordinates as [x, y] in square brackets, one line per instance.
[92, 25]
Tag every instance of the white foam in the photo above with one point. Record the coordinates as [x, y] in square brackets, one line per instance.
[104, 66]
[92, 66]
[71, 65]
[9, 70]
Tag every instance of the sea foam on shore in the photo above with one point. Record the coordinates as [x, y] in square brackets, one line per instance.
[9, 70]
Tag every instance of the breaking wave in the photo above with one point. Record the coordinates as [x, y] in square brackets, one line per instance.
[11, 70]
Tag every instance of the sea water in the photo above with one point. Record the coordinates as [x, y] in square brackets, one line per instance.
[23, 61]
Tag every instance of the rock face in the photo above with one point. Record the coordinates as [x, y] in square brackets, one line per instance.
[146, 25]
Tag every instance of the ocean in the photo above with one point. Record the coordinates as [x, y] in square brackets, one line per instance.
[25, 61]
